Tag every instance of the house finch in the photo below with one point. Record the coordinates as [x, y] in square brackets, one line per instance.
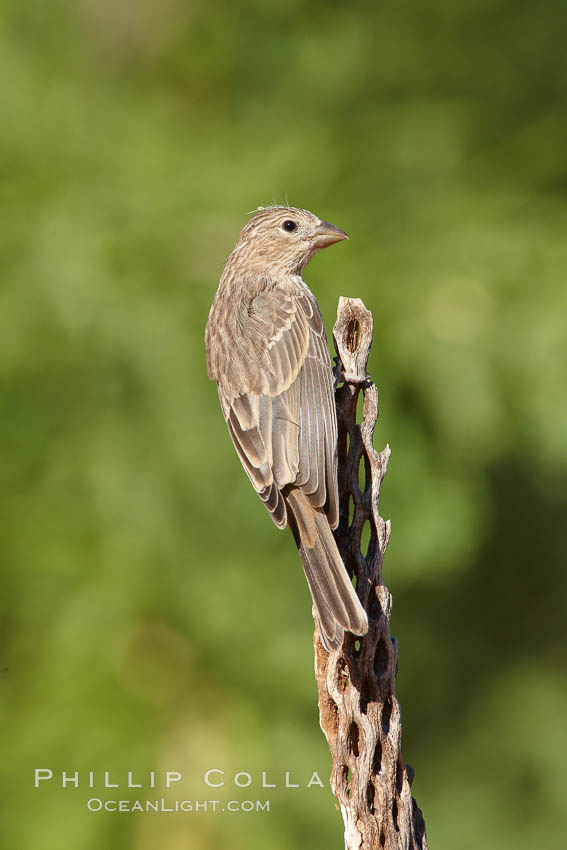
[267, 351]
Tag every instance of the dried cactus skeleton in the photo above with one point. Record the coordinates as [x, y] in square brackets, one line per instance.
[359, 713]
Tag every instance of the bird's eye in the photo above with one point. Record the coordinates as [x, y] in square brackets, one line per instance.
[289, 225]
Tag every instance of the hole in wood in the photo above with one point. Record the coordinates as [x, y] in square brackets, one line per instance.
[382, 839]
[365, 475]
[353, 734]
[365, 539]
[395, 815]
[377, 758]
[361, 477]
[353, 335]
[342, 676]
[330, 712]
[386, 715]
[381, 659]
[370, 797]
[364, 699]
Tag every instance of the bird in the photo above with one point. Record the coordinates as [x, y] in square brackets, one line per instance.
[266, 348]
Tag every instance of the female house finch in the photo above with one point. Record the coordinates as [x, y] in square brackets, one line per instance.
[267, 351]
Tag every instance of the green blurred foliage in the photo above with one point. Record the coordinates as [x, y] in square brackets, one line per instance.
[154, 618]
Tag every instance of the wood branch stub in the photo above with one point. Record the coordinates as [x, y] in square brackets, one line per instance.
[359, 713]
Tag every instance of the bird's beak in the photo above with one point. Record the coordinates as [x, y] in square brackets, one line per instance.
[327, 234]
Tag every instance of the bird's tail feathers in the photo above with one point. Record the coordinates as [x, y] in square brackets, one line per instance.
[337, 606]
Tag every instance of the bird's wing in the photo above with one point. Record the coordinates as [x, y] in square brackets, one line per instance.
[317, 474]
[283, 421]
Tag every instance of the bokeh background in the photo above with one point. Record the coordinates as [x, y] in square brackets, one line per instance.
[153, 617]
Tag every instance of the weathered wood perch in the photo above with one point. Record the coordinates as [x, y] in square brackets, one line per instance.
[358, 709]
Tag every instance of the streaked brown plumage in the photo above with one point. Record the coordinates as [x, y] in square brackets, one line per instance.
[267, 351]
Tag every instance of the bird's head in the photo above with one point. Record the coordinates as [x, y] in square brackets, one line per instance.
[282, 240]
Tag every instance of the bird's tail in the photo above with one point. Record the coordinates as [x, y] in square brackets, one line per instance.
[337, 606]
